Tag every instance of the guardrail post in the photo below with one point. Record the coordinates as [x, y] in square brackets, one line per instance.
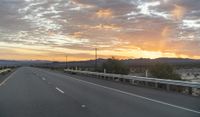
[145, 83]
[190, 90]
[168, 87]
[104, 70]
[132, 82]
[156, 85]
[196, 91]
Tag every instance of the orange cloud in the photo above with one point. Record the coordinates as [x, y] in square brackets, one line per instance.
[77, 34]
[104, 13]
[100, 27]
[165, 32]
[178, 12]
[107, 27]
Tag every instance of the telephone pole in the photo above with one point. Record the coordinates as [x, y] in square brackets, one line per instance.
[95, 59]
[66, 62]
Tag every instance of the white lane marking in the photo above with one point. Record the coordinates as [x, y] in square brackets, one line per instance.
[59, 90]
[83, 106]
[4, 82]
[139, 96]
[43, 78]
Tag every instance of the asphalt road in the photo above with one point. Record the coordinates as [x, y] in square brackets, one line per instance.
[33, 92]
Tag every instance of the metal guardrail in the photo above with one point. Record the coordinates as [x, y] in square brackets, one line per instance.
[5, 70]
[136, 78]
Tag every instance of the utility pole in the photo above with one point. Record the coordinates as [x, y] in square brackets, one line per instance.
[95, 59]
[66, 62]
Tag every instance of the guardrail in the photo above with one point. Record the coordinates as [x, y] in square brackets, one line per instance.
[154, 82]
[3, 71]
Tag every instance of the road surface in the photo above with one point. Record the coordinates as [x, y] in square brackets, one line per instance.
[33, 92]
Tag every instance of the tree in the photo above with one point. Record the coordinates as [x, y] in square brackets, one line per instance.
[115, 66]
[164, 71]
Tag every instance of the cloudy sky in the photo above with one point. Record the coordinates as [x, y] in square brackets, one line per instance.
[51, 29]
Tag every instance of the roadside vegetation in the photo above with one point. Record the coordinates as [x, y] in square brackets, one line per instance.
[115, 66]
[163, 68]
[164, 71]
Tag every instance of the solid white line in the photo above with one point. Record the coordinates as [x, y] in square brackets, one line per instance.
[83, 106]
[4, 82]
[59, 90]
[43, 78]
[139, 96]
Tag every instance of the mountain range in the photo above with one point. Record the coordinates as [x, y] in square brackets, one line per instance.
[90, 63]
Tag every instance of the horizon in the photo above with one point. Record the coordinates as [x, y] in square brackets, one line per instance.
[50, 30]
[98, 59]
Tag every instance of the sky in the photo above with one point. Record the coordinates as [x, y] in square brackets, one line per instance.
[125, 29]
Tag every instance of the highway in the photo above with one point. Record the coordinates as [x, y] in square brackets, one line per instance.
[34, 92]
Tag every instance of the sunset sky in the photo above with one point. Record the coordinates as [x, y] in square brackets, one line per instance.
[51, 29]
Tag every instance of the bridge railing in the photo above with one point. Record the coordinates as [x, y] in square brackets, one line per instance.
[190, 87]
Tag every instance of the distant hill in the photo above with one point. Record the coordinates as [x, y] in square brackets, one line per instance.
[21, 63]
[161, 60]
[90, 63]
[130, 62]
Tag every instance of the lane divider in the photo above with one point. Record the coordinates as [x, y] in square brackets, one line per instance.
[83, 106]
[43, 78]
[61, 91]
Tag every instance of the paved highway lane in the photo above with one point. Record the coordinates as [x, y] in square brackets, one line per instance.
[32, 92]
